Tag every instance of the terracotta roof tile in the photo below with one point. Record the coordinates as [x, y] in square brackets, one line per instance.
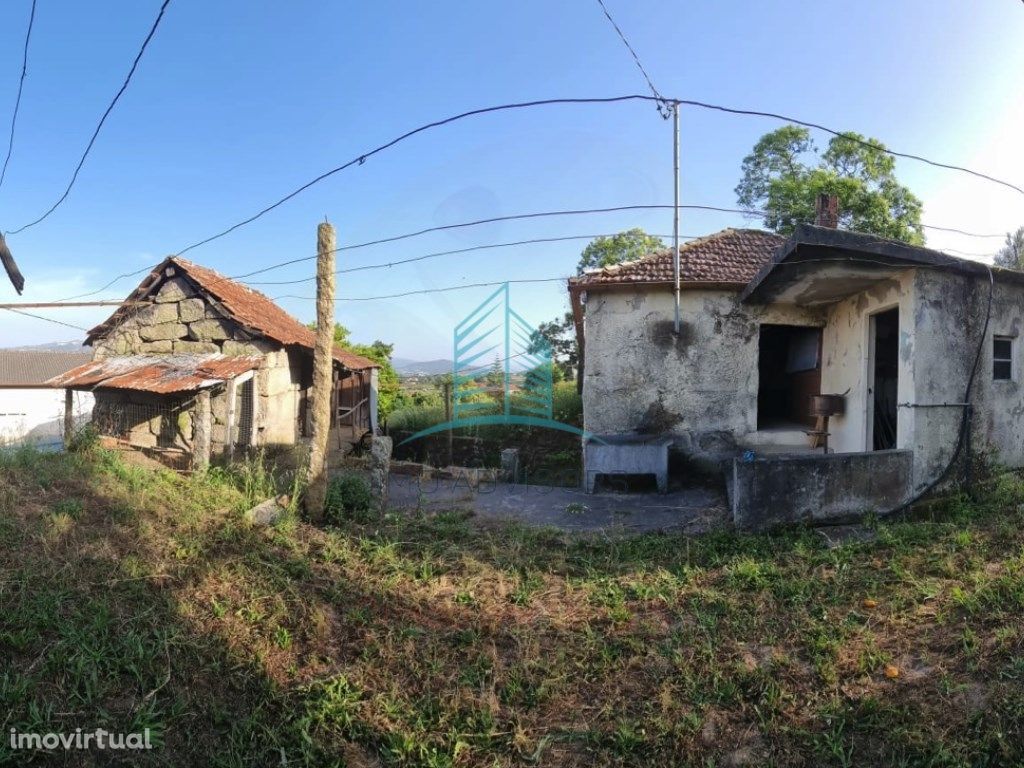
[731, 256]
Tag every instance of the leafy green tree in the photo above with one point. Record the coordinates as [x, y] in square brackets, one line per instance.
[614, 249]
[559, 335]
[1011, 255]
[784, 174]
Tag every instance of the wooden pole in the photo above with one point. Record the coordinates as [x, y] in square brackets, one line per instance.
[316, 477]
[448, 418]
[69, 416]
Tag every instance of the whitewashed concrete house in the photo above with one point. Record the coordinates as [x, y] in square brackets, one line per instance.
[30, 410]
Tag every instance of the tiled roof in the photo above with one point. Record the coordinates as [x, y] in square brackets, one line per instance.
[160, 374]
[27, 368]
[732, 256]
[251, 309]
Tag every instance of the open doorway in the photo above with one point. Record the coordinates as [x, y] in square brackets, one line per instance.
[789, 372]
[884, 379]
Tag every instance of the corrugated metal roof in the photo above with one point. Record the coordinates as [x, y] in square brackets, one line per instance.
[732, 256]
[163, 374]
[32, 368]
[251, 309]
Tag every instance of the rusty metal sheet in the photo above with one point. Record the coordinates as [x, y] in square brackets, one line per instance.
[159, 375]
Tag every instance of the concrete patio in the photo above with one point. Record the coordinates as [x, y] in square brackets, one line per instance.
[692, 510]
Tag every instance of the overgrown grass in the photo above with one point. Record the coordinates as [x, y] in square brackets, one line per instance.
[131, 598]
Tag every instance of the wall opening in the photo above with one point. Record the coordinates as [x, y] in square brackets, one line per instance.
[789, 372]
[884, 372]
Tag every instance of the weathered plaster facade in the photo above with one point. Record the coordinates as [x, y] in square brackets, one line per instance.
[701, 386]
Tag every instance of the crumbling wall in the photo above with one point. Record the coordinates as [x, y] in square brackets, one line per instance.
[700, 386]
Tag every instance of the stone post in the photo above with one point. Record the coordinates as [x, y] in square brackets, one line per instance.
[202, 432]
[323, 368]
[380, 467]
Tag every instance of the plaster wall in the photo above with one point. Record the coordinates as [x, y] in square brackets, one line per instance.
[700, 386]
[846, 359]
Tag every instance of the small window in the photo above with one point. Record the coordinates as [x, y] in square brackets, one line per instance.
[1002, 358]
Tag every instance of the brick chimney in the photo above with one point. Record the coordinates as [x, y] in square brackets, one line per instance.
[826, 211]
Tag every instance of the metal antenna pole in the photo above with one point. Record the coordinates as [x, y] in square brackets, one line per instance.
[675, 209]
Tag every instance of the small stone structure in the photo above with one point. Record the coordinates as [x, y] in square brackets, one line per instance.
[182, 309]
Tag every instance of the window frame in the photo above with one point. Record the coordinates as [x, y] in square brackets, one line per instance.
[1007, 361]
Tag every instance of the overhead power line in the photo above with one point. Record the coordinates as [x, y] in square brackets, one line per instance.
[663, 109]
[21, 85]
[436, 254]
[430, 290]
[99, 126]
[362, 158]
[47, 319]
[479, 222]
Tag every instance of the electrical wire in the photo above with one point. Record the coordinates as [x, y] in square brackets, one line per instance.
[47, 319]
[99, 126]
[436, 254]
[362, 158]
[21, 85]
[663, 109]
[431, 290]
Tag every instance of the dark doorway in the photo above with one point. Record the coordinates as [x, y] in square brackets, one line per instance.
[885, 378]
[789, 372]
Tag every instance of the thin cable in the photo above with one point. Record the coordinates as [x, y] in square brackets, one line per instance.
[361, 159]
[478, 222]
[110, 108]
[100, 290]
[21, 85]
[663, 108]
[436, 254]
[432, 290]
[47, 319]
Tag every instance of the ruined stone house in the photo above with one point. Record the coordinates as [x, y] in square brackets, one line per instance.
[766, 324]
[193, 365]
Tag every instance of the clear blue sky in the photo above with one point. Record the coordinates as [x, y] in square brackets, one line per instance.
[236, 103]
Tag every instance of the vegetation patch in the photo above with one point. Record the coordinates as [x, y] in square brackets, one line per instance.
[132, 598]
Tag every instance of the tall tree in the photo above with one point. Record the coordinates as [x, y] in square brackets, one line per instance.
[1011, 255]
[614, 249]
[785, 173]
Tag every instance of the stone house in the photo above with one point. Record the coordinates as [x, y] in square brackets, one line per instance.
[920, 351]
[194, 365]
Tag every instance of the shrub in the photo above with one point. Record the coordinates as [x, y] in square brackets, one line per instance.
[348, 498]
[85, 439]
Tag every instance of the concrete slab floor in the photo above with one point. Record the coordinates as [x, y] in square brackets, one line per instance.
[692, 510]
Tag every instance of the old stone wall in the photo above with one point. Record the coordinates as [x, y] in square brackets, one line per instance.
[182, 321]
[145, 420]
[700, 386]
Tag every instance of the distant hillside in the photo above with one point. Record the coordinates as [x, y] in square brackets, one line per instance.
[421, 368]
[53, 346]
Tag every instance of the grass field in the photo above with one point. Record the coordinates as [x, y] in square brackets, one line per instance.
[131, 598]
